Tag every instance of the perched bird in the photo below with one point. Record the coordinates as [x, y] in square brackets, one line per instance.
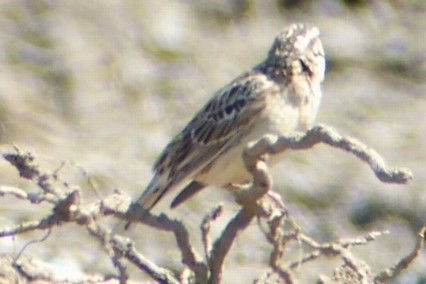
[280, 95]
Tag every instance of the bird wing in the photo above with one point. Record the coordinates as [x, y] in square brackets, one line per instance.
[219, 125]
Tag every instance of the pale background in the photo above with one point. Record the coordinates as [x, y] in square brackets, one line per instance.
[103, 85]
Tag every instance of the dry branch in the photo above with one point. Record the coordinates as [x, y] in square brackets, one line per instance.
[205, 229]
[162, 222]
[271, 144]
[394, 271]
[257, 201]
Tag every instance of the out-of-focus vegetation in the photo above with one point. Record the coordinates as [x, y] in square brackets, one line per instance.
[103, 85]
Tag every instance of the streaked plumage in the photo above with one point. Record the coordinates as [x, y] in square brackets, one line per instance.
[280, 95]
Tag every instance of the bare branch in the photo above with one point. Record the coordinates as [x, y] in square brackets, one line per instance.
[24, 163]
[331, 249]
[256, 200]
[205, 229]
[68, 209]
[271, 144]
[42, 224]
[123, 246]
[27, 271]
[278, 240]
[14, 191]
[133, 213]
[392, 272]
[21, 194]
[261, 185]
[222, 245]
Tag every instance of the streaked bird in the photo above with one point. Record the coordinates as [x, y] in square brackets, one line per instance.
[278, 96]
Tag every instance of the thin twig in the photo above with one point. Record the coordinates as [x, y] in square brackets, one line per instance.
[205, 229]
[330, 249]
[30, 243]
[392, 272]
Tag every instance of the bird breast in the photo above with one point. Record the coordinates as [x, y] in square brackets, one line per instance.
[278, 117]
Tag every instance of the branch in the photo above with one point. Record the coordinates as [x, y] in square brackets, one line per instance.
[331, 249]
[262, 183]
[24, 163]
[392, 272]
[271, 144]
[114, 205]
[120, 246]
[205, 229]
[256, 200]
[68, 209]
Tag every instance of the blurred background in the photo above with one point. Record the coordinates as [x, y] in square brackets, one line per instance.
[103, 86]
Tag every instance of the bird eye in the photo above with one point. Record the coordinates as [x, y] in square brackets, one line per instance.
[305, 67]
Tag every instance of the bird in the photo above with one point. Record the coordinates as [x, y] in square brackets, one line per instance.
[278, 96]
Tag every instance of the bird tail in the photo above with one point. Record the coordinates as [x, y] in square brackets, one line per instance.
[190, 190]
[153, 193]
